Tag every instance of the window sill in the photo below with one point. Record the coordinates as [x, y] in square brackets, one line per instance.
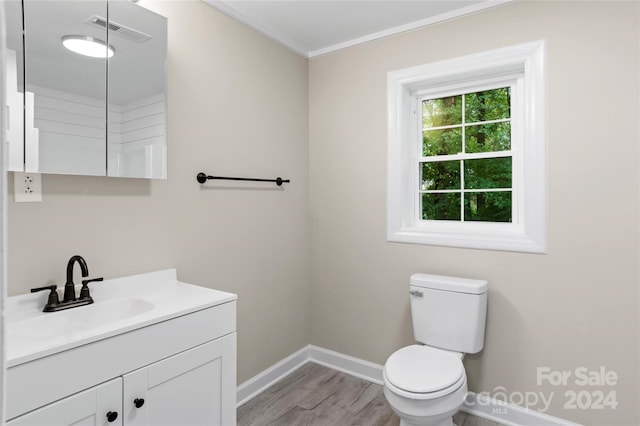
[485, 236]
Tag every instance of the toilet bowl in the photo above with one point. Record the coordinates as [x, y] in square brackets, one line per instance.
[425, 386]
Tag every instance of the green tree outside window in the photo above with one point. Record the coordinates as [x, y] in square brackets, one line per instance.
[471, 187]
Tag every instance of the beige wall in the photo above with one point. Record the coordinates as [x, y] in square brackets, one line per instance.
[237, 106]
[577, 305]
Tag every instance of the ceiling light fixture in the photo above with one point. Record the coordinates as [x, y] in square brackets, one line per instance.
[88, 46]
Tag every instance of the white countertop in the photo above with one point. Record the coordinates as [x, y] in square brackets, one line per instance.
[120, 305]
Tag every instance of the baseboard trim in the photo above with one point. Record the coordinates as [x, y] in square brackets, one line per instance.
[252, 387]
[476, 404]
[508, 414]
[347, 364]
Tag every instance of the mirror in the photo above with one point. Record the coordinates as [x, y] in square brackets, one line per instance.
[137, 92]
[99, 115]
[14, 86]
[69, 89]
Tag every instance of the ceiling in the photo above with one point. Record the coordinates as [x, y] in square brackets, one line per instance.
[316, 27]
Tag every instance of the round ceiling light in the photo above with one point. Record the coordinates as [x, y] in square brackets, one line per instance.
[88, 46]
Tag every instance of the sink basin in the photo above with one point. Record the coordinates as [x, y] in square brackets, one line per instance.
[76, 322]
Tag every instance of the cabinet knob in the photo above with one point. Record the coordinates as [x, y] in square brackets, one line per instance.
[138, 402]
[112, 416]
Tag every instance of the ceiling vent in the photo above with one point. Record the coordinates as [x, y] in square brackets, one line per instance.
[119, 29]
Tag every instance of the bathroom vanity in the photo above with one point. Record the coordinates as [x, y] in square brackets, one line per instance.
[150, 351]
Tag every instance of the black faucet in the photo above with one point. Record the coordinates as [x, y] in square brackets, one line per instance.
[69, 287]
[69, 300]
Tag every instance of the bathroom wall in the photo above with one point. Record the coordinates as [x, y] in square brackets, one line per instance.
[578, 305]
[237, 106]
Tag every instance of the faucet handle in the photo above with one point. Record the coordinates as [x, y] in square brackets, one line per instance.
[53, 296]
[85, 282]
[84, 291]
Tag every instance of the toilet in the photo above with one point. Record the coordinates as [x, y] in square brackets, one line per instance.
[426, 384]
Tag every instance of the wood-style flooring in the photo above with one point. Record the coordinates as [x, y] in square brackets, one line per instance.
[314, 395]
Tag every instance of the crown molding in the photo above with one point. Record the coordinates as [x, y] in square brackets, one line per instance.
[227, 7]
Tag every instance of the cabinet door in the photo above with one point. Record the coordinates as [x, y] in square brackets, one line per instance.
[14, 86]
[190, 388]
[137, 136]
[68, 89]
[93, 407]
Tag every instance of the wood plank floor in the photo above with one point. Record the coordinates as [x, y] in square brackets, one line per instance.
[314, 395]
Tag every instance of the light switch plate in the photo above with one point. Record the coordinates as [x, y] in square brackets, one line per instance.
[27, 187]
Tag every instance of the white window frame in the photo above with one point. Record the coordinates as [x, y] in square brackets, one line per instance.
[521, 67]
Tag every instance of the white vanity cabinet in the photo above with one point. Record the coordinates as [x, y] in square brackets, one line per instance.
[166, 366]
[87, 408]
[185, 389]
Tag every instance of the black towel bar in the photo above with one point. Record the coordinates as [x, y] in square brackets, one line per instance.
[202, 178]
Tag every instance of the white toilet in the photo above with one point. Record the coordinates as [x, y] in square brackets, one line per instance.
[426, 384]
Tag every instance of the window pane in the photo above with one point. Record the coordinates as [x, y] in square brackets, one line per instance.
[487, 173]
[488, 105]
[441, 206]
[488, 137]
[487, 206]
[440, 175]
[442, 142]
[442, 112]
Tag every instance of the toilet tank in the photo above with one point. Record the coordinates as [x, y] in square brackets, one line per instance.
[448, 312]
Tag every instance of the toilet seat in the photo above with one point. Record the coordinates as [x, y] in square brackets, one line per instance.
[423, 372]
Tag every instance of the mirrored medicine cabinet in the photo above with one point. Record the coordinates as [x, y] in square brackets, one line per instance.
[86, 88]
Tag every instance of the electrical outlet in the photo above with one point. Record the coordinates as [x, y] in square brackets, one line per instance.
[27, 187]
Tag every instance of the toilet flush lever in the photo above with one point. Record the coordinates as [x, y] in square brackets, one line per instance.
[416, 293]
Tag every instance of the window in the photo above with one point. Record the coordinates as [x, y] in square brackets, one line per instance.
[465, 158]
[467, 152]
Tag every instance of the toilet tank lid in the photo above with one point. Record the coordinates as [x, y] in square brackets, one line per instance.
[441, 282]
